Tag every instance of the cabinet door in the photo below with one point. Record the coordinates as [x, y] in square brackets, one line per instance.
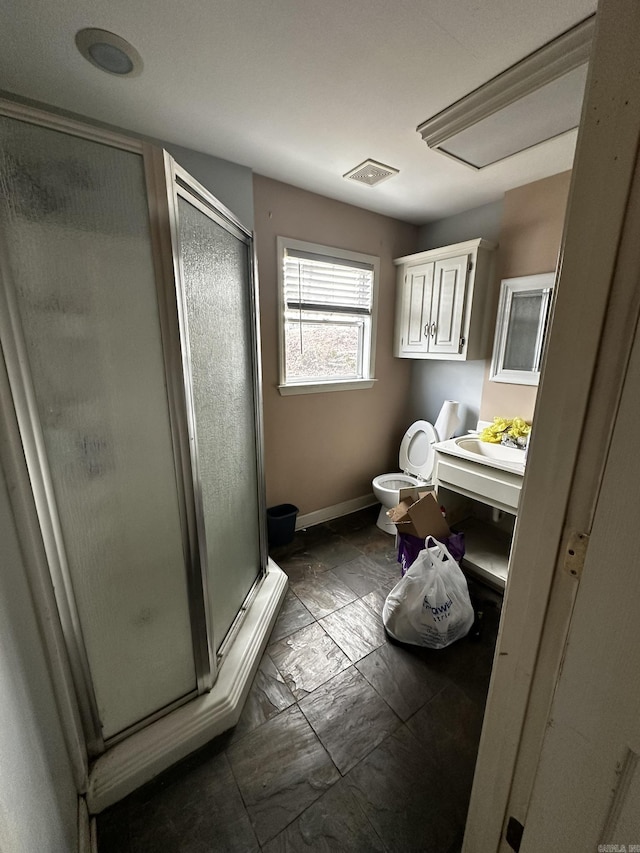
[416, 313]
[447, 305]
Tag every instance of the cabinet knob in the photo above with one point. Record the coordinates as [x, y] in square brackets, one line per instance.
[433, 330]
[426, 330]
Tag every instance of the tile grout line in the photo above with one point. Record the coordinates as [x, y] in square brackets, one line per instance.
[269, 698]
[244, 804]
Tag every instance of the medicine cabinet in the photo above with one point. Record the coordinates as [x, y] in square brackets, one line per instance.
[523, 315]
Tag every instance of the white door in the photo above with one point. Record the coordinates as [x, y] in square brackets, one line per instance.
[416, 320]
[447, 305]
[560, 736]
[587, 789]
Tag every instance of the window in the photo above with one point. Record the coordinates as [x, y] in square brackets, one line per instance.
[523, 316]
[327, 300]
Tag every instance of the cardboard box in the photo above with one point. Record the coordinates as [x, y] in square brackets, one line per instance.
[418, 513]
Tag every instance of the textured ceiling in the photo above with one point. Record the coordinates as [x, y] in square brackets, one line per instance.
[301, 92]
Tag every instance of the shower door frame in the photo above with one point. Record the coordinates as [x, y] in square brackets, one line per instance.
[24, 455]
[167, 182]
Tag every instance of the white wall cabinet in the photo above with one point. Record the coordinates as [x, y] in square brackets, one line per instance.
[441, 297]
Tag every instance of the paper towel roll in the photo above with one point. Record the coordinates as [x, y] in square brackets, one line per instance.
[447, 421]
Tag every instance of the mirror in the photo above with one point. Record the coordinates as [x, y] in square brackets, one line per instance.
[523, 315]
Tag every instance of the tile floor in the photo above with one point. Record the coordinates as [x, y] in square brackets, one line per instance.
[347, 741]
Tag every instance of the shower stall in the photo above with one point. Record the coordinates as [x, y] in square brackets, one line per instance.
[130, 362]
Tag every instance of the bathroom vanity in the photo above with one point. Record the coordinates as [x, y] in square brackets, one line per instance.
[471, 474]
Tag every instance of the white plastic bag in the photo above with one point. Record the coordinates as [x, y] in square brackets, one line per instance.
[430, 605]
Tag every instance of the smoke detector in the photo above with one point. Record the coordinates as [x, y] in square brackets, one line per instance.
[371, 173]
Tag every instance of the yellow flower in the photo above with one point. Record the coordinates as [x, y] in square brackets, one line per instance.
[513, 427]
[519, 428]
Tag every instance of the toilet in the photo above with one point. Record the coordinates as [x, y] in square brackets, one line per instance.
[416, 462]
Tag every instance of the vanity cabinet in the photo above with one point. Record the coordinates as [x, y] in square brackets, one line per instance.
[481, 494]
[441, 296]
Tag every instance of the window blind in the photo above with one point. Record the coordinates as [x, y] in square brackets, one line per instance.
[321, 283]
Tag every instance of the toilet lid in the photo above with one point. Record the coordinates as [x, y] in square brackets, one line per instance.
[416, 450]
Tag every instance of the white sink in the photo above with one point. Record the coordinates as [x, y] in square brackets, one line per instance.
[483, 453]
[498, 452]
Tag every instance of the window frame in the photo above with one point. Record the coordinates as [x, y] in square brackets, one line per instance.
[368, 360]
[542, 284]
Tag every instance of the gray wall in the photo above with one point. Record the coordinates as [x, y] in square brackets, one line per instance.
[38, 801]
[432, 382]
[481, 221]
[230, 183]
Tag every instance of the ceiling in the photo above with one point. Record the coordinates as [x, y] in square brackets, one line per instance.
[298, 91]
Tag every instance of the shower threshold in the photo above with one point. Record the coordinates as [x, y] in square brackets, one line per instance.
[146, 753]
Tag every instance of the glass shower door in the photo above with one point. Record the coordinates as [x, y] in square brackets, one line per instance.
[81, 336]
[131, 346]
[218, 323]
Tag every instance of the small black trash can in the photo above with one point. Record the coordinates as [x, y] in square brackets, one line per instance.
[281, 524]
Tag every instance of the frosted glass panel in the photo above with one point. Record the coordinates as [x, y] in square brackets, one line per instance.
[524, 324]
[74, 225]
[215, 269]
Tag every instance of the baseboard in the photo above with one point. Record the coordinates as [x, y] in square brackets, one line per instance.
[148, 752]
[335, 511]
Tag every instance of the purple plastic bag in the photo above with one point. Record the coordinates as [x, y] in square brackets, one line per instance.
[408, 549]
[455, 545]
[410, 546]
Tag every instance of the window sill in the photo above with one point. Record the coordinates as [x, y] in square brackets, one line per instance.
[319, 387]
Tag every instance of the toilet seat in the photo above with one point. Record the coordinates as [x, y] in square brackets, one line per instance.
[417, 455]
[417, 458]
[395, 482]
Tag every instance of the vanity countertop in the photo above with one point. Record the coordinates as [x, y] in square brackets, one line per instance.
[469, 447]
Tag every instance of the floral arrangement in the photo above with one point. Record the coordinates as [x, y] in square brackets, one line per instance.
[512, 431]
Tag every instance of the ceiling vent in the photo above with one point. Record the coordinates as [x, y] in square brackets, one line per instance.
[371, 173]
[534, 100]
